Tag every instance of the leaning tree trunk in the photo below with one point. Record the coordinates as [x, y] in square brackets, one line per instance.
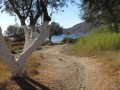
[18, 67]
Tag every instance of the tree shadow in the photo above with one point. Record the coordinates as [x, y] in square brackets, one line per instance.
[30, 84]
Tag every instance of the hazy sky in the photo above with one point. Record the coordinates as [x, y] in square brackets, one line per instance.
[67, 19]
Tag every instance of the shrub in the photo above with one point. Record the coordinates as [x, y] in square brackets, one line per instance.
[69, 40]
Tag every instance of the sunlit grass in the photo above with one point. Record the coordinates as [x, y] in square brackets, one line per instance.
[101, 43]
[97, 41]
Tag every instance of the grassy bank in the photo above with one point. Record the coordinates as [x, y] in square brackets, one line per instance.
[33, 62]
[102, 43]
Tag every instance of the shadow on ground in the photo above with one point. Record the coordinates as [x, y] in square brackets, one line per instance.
[30, 84]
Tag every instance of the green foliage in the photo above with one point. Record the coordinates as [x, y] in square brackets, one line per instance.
[101, 11]
[55, 29]
[98, 40]
[16, 32]
[69, 40]
[33, 9]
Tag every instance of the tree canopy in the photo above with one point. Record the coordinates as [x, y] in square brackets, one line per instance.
[16, 32]
[33, 9]
[102, 11]
[55, 29]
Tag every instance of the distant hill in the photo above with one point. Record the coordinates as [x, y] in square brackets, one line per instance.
[79, 28]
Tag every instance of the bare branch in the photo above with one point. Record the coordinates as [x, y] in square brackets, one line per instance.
[15, 9]
[29, 9]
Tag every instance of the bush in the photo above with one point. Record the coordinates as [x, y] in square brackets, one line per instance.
[69, 40]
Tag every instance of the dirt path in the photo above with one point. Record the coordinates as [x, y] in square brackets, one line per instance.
[63, 72]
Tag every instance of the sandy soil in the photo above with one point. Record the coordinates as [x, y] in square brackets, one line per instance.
[63, 72]
[59, 71]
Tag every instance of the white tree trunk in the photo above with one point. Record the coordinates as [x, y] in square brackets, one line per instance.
[18, 67]
[30, 36]
[6, 55]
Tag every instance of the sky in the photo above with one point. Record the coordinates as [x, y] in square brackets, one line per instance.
[66, 19]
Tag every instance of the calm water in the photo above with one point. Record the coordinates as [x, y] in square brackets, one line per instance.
[61, 37]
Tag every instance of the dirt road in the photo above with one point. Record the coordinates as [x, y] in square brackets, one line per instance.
[59, 71]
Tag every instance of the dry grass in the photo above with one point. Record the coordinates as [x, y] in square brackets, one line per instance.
[14, 46]
[33, 62]
[111, 61]
[4, 72]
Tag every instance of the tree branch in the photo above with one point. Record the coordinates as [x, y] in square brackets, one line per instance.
[5, 53]
[37, 42]
[15, 9]
[45, 12]
[39, 12]
[29, 8]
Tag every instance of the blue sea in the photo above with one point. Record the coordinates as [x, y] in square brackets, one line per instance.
[61, 37]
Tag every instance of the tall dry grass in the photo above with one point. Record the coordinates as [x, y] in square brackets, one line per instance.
[34, 62]
[15, 46]
[4, 72]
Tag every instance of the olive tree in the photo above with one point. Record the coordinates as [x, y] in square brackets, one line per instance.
[30, 10]
[55, 29]
[15, 31]
[102, 11]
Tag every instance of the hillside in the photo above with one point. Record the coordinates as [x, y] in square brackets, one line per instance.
[82, 27]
